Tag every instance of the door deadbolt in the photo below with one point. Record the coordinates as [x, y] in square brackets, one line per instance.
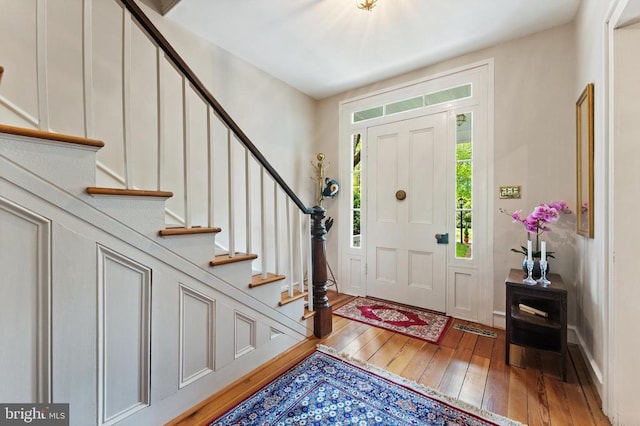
[401, 195]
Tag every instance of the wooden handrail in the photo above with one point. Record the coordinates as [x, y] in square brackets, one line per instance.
[171, 53]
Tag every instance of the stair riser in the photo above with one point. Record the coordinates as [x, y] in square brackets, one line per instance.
[237, 274]
[269, 293]
[294, 309]
[144, 214]
[68, 166]
[198, 248]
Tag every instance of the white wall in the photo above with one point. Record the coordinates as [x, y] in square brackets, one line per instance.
[534, 142]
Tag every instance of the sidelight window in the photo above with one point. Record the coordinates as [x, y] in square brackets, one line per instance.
[464, 185]
[356, 168]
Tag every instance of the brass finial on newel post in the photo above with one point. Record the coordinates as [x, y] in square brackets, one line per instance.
[321, 169]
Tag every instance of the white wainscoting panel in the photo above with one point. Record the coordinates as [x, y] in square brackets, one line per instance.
[245, 334]
[197, 328]
[25, 306]
[273, 333]
[124, 331]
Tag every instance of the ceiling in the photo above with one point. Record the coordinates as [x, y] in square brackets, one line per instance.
[324, 47]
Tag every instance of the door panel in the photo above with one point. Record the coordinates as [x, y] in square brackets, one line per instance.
[421, 149]
[405, 263]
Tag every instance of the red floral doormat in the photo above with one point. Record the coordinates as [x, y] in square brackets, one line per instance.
[420, 323]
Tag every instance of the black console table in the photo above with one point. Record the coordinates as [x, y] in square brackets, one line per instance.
[535, 331]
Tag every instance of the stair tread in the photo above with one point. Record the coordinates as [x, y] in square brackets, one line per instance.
[285, 299]
[223, 259]
[308, 314]
[95, 190]
[58, 137]
[257, 280]
[167, 232]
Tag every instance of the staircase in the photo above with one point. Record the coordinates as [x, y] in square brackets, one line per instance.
[222, 320]
[146, 282]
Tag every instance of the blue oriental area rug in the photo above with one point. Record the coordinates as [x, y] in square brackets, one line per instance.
[325, 389]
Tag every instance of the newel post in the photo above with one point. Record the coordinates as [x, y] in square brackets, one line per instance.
[322, 322]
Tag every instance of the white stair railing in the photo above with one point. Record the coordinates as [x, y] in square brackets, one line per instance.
[200, 186]
[194, 148]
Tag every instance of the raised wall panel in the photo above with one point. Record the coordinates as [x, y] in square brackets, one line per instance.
[124, 325]
[197, 328]
[107, 70]
[18, 32]
[172, 178]
[245, 334]
[25, 289]
[198, 159]
[64, 66]
[273, 333]
[144, 110]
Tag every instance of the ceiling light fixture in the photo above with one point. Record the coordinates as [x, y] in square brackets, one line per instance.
[367, 5]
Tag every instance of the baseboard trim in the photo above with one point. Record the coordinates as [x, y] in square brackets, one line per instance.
[592, 366]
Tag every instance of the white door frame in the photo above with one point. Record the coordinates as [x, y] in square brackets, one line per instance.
[352, 261]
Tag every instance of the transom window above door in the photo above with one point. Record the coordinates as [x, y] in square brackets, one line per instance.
[430, 99]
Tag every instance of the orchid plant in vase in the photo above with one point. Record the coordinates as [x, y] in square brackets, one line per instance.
[537, 222]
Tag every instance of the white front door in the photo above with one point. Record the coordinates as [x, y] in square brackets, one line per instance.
[404, 262]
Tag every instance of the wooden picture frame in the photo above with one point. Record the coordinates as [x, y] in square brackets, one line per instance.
[584, 162]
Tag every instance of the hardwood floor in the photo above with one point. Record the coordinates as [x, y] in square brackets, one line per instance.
[465, 366]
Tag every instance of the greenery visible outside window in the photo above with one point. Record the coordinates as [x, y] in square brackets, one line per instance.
[356, 145]
[464, 180]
